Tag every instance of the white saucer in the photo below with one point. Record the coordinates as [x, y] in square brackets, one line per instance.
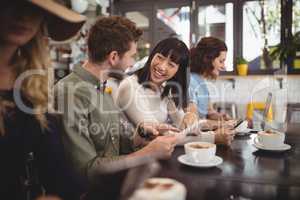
[258, 145]
[184, 159]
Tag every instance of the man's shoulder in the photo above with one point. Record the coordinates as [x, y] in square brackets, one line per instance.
[73, 84]
[70, 78]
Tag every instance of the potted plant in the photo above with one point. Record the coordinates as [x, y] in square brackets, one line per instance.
[287, 54]
[242, 66]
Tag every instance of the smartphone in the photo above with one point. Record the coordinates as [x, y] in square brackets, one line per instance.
[238, 123]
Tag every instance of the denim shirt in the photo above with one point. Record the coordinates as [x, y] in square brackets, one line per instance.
[199, 94]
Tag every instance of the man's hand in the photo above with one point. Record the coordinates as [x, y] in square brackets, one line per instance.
[155, 129]
[163, 146]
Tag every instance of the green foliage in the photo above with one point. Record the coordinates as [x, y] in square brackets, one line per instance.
[296, 17]
[142, 52]
[284, 52]
[98, 10]
[241, 60]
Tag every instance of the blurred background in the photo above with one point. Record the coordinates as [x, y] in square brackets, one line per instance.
[264, 35]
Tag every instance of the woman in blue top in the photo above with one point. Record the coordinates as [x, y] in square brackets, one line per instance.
[207, 60]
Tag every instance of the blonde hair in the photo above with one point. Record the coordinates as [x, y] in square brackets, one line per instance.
[33, 55]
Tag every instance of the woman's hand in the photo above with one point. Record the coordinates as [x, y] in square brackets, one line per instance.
[215, 124]
[224, 136]
[230, 124]
[225, 116]
[219, 116]
[189, 119]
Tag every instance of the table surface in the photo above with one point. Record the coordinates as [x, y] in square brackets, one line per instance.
[246, 173]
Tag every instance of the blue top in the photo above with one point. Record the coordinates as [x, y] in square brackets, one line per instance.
[199, 94]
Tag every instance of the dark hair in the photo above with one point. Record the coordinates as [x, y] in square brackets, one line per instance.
[202, 56]
[179, 54]
[109, 34]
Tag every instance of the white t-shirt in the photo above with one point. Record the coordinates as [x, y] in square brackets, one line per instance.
[142, 104]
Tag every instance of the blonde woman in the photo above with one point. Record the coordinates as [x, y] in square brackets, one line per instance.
[28, 136]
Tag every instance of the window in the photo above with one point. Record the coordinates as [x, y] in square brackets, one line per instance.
[141, 18]
[250, 28]
[217, 21]
[261, 32]
[173, 22]
[296, 16]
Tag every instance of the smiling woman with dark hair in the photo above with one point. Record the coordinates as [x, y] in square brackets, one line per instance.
[175, 82]
[158, 91]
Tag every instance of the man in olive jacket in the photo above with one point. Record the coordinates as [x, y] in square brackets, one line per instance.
[93, 134]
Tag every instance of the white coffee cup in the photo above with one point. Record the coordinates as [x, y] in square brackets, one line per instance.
[200, 152]
[271, 138]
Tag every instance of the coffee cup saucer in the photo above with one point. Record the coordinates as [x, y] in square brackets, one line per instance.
[258, 145]
[184, 159]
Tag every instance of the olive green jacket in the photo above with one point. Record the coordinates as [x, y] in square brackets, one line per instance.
[93, 132]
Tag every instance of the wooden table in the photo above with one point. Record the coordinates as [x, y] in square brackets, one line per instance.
[246, 173]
